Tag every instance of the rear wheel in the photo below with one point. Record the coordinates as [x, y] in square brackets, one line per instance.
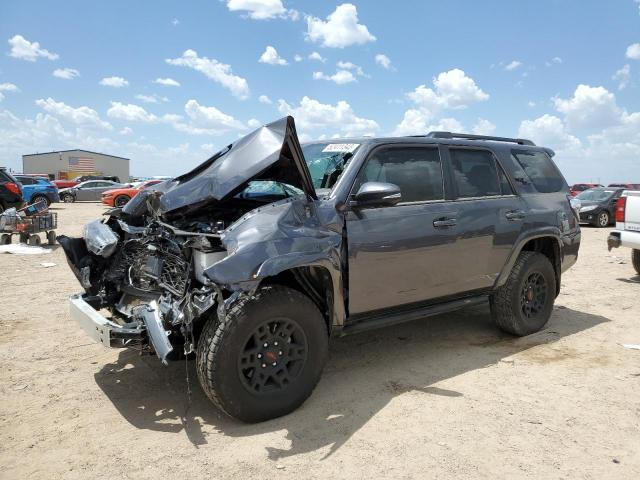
[266, 357]
[635, 259]
[523, 305]
[5, 239]
[67, 198]
[602, 220]
[121, 201]
[40, 198]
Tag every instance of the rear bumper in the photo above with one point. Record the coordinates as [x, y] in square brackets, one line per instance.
[623, 238]
[99, 328]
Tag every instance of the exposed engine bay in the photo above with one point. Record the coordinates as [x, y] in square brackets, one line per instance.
[188, 248]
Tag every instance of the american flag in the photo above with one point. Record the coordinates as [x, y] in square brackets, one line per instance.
[80, 164]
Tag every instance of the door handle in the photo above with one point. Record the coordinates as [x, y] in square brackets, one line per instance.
[444, 222]
[515, 215]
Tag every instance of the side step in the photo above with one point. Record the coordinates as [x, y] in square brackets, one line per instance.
[380, 321]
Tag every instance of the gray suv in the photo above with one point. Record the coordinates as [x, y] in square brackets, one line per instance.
[252, 260]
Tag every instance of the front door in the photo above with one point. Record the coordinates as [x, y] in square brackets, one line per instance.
[401, 254]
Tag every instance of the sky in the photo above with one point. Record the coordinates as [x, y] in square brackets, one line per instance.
[168, 83]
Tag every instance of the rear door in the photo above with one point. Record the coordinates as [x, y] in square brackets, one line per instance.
[87, 191]
[489, 217]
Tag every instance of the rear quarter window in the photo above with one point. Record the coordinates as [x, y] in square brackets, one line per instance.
[540, 170]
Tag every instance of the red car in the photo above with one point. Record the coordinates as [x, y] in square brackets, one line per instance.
[581, 187]
[65, 183]
[119, 197]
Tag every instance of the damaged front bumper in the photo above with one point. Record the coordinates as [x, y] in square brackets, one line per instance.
[101, 329]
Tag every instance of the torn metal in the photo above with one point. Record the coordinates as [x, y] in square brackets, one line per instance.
[193, 246]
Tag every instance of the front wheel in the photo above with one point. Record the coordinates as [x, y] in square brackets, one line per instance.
[523, 305]
[41, 198]
[68, 198]
[266, 357]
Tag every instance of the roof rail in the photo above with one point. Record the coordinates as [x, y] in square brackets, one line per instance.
[468, 136]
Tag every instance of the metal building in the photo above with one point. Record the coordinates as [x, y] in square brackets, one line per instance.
[69, 164]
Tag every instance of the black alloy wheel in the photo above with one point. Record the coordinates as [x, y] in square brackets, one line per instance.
[273, 356]
[533, 297]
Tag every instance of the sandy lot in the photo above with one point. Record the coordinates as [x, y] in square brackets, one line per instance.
[447, 397]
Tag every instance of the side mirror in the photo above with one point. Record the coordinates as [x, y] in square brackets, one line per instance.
[376, 194]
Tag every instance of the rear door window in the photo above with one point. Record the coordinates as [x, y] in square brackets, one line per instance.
[477, 174]
[540, 170]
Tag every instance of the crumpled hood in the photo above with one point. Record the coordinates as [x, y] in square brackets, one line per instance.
[271, 152]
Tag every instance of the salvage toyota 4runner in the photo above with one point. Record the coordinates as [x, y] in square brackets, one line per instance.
[256, 257]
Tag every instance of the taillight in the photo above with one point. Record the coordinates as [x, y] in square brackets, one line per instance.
[13, 188]
[621, 205]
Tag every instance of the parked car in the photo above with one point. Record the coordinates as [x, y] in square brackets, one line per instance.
[581, 187]
[626, 186]
[10, 191]
[119, 197]
[88, 191]
[35, 189]
[85, 178]
[597, 205]
[362, 233]
[627, 232]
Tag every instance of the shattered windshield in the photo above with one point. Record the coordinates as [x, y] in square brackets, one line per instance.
[327, 161]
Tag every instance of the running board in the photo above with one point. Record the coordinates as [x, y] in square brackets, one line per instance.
[385, 320]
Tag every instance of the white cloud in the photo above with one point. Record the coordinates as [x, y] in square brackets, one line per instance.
[151, 98]
[549, 131]
[116, 82]
[207, 147]
[340, 77]
[25, 50]
[130, 112]
[210, 118]
[254, 123]
[262, 9]
[66, 73]
[83, 116]
[312, 115]
[513, 65]
[554, 60]
[317, 56]
[271, 57]
[341, 29]
[297, 58]
[175, 22]
[633, 51]
[214, 70]
[264, 99]
[8, 87]
[622, 76]
[383, 61]
[125, 131]
[531, 104]
[167, 82]
[483, 127]
[453, 90]
[589, 108]
[351, 66]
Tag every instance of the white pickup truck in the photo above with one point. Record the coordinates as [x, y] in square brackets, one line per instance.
[627, 232]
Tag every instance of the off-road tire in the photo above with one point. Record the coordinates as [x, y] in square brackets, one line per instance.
[600, 220]
[635, 259]
[37, 198]
[506, 302]
[120, 198]
[222, 343]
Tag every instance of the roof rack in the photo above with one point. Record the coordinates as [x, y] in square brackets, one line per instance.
[468, 136]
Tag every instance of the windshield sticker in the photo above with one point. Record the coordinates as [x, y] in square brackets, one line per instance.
[341, 147]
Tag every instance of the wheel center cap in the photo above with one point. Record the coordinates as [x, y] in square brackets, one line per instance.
[530, 295]
[271, 356]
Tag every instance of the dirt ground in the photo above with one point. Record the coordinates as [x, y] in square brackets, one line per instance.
[446, 397]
